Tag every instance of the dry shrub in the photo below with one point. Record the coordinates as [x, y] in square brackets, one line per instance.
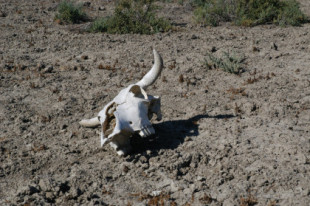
[69, 12]
[249, 12]
[132, 16]
[248, 201]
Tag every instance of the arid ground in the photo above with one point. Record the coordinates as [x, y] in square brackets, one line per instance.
[224, 139]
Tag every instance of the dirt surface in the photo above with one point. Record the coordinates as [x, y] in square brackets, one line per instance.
[224, 139]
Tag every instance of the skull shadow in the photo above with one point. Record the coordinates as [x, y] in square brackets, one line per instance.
[170, 134]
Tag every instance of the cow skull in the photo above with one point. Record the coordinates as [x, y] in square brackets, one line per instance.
[129, 112]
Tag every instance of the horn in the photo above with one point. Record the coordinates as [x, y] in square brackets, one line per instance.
[153, 74]
[90, 122]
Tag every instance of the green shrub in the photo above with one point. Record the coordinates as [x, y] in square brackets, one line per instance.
[212, 12]
[70, 13]
[228, 62]
[292, 15]
[99, 25]
[132, 16]
[249, 12]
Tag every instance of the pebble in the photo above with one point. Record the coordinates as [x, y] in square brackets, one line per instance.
[48, 69]
[2, 14]
[194, 37]
[274, 46]
[44, 185]
[49, 195]
[64, 68]
[156, 193]
[213, 49]
[87, 3]
[101, 8]
[40, 66]
[199, 178]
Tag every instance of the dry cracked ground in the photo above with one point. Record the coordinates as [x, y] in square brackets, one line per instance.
[224, 139]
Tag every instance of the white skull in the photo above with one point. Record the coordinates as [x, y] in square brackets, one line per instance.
[129, 112]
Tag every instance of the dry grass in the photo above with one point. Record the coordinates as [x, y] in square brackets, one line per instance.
[250, 200]
[236, 91]
[107, 67]
[181, 78]
[254, 79]
[158, 200]
[206, 199]
[39, 148]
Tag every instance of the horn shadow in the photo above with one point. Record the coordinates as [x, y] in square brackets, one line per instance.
[170, 134]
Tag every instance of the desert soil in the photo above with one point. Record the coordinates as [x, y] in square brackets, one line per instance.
[224, 139]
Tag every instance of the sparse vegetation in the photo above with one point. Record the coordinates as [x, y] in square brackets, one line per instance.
[229, 62]
[68, 12]
[153, 200]
[99, 25]
[212, 12]
[248, 201]
[132, 16]
[249, 12]
[206, 199]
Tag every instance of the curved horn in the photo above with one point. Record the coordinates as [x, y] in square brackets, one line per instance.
[152, 75]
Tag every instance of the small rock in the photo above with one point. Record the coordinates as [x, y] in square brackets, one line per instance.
[101, 8]
[143, 159]
[255, 49]
[198, 77]
[84, 57]
[194, 37]
[75, 193]
[40, 66]
[28, 190]
[213, 49]
[187, 139]
[57, 189]
[199, 178]
[20, 199]
[48, 69]
[190, 144]
[44, 185]
[187, 191]
[125, 169]
[2, 14]
[145, 166]
[274, 46]
[62, 131]
[80, 68]
[193, 165]
[64, 68]
[156, 193]
[49, 195]
[64, 126]
[58, 201]
[87, 3]
[94, 196]
[228, 201]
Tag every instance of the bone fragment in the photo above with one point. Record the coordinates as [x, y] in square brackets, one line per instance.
[93, 122]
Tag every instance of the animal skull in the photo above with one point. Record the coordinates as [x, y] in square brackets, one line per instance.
[129, 112]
